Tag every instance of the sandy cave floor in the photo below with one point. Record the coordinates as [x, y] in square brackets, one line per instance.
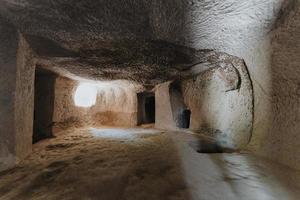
[143, 164]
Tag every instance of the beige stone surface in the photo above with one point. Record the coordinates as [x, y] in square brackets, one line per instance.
[225, 114]
[134, 164]
[281, 141]
[220, 100]
[16, 96]
[24, 99]
[163, 110]
[8, 59]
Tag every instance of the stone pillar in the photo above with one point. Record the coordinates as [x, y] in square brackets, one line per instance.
[163, 110]
[16, 96]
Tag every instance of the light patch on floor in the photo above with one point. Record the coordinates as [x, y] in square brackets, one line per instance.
[121, 133]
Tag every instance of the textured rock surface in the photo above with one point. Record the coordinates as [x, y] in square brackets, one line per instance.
[8, 52]
[227, 112]
[137, 41]
[24, 99]
[135, 164]
[163, 114]
[281, 142]
[16, 96]
[220, 100]
[98, 164]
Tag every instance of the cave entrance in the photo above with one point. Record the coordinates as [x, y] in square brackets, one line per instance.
[146, 108]
[44, 87]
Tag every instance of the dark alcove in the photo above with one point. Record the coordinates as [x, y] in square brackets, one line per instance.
[44, 87]
[184, 119]
[181, 113]
[146, 108]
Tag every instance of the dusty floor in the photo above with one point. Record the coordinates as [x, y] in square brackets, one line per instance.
[117, 164]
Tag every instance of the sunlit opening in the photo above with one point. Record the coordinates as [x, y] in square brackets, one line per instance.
[85, 95]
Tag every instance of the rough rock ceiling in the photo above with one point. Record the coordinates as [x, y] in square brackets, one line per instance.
[147, 62]
[140, 40]
[88, 24]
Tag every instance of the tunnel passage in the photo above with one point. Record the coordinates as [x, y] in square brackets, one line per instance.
[146, 108]
[181, 113]
[44, 94]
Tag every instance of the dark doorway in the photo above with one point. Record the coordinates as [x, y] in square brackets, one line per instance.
[150, 109]
[44, 87]
[181, 113]
[146, 108]
[184, 119]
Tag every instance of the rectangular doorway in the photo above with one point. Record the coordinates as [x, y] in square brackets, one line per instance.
[146, 108]
[44, 88]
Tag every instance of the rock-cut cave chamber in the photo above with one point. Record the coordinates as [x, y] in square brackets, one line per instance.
[158, 99]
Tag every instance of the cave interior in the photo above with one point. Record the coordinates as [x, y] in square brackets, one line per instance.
[140, 99]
